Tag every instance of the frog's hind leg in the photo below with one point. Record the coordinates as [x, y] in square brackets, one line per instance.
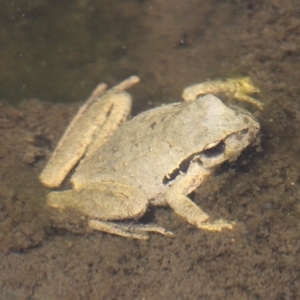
[108, 201]
[128, 230]
[95, 121]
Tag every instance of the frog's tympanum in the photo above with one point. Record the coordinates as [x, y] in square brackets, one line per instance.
[157, 158]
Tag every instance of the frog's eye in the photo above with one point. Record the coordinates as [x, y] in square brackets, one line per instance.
[214, 149]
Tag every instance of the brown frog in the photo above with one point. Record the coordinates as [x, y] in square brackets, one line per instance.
[157, 158]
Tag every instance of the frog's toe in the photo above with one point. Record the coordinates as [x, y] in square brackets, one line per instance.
[117, 229]
[135, 231]
[152, 228]
[217, 225]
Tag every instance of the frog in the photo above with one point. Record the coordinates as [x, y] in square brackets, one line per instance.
[119, 167]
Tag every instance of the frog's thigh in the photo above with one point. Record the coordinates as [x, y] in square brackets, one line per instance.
[96, 120]
[108, 201]
[104, 200]
[187, 209]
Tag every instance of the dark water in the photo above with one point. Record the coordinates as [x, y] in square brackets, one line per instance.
[58, 52]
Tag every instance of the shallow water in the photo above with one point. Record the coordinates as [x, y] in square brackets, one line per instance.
[59, 53]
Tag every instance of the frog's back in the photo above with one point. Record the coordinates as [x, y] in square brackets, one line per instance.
[140, 149]
[148, 149]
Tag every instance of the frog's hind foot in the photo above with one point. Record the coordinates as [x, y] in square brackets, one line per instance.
[130, 231]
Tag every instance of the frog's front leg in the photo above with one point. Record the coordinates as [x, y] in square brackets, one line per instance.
[96, 120]
[234, 88]
[108, 201]
[177, 199]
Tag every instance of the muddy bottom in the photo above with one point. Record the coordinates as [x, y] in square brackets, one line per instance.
[48, 255]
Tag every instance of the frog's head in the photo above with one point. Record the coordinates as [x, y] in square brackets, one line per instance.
[227, 149]
[233, 129]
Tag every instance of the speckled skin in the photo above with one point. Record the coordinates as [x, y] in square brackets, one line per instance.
[157, 158]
